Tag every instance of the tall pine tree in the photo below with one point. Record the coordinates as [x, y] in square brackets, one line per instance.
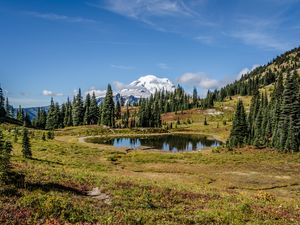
[2, 102]
[239, 131]
[78, 110]
[26, 147]
[108, 110]
[94, 110]
[5, 154]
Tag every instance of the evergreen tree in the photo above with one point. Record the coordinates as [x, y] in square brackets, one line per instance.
[87, 107]
[239, 130]
[27, 121]
[43, 136]
[59, 116]
[288, 108]
[125, 118]
[50, 134]
[41, 119]
[8, 109]
[52, 117]
[5, 154]
[291, 140]
[108, 110]
[195, 97]
[78, 110]
[156, 115]
[62, 113]
[118, 110]
[26, 148]
[68, 120]
[20, 114]
[2, 102]
[94, 110]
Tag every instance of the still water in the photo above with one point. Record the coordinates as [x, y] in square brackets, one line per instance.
[162, 142]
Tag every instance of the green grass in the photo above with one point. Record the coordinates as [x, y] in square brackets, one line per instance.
[151, 187]
[215, 186]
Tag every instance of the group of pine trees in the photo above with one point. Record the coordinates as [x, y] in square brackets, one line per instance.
[5, 109]
[5, 154]
[109, 113]
[78, 112]
[273, 121]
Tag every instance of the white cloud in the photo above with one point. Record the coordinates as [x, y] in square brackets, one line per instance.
[246, 70]
[51, 93]
[119, 85]
[122, 67]
[163, 66]
[261, 39]
[141, 8]
[57, 17]
[177, 14]
[98, 93]
[261, 32]
[205, 39]
[200, 80]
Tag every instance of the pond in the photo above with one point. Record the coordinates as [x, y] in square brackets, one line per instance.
[174, 142]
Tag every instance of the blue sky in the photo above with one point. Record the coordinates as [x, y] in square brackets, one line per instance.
[52, 47]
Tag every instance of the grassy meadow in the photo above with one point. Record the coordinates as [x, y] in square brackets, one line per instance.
[213, 186]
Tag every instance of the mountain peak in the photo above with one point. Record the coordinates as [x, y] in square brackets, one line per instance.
[151, 83]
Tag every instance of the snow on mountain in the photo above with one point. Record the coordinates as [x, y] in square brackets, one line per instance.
[147, 85]
[140, 88]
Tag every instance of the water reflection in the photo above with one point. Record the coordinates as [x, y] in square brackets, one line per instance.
[162, 142]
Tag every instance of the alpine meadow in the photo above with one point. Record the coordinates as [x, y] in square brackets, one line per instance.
[91, 134]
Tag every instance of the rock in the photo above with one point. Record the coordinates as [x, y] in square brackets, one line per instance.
[97, 194]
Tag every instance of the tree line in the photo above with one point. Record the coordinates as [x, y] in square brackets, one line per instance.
[79, 111]
[273, 121]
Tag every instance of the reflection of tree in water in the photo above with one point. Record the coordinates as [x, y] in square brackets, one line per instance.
[178, 142]
[165, 142]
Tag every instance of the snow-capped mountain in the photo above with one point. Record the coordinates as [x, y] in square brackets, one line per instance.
[131, 94]
[147, 85]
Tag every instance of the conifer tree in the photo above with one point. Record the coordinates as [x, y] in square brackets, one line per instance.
[125, 117]
[27, 121]
[291, 140]
[108, 110]
[195, 97]
[239, 130]
[41, 119]
[5, 151]
[156, 115]
[26, 148]
[288, 108]
[20, 114]
[2, 102]
[100, 109]
[52, 117]
[118, 110]
[43, 136]
[61, 114]
[94, 110]
[78, 110]
[68, 120]
[8, 109]
[87, 107]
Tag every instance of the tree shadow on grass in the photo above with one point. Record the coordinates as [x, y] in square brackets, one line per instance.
[46, 187]
[46, 161]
